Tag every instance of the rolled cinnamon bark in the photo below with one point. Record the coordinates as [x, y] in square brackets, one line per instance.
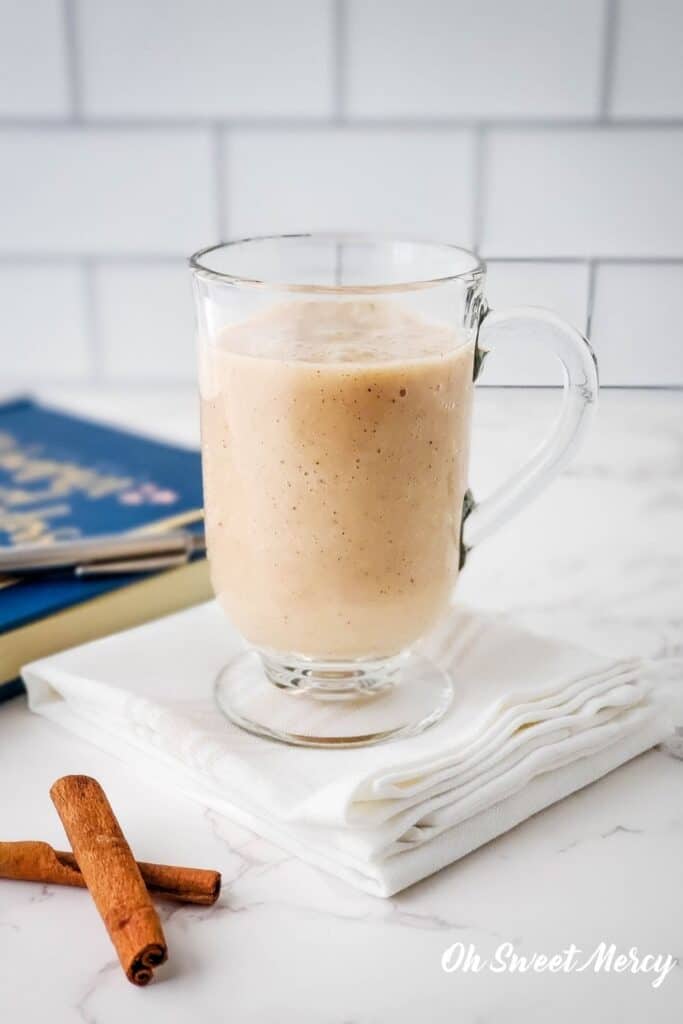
[32, 861]
[111, 874]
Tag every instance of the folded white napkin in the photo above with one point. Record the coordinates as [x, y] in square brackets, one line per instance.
[533, 719]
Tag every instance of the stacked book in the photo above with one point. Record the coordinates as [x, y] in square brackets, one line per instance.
[63, 478]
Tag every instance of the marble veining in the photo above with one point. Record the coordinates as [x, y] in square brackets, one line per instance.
[598, 558]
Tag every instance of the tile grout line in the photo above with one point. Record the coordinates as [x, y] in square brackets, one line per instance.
[73, 63]
[590, 298]
[92, 323]
[339, 62]
[219, 173]
[417, 125]
[177, 259]
[608, 62]
[97, 259]
[625, 261]
[479, 185]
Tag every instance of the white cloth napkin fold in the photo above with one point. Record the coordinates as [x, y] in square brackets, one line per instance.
[533, 719]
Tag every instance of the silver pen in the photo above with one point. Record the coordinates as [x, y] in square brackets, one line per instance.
[103, 556]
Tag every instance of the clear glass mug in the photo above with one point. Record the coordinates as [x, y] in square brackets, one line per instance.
[336, 376]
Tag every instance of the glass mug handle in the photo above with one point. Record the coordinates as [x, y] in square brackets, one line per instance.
[580, 373]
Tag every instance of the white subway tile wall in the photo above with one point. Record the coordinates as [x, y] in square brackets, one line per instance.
[34, 78]
[563, 287]
[44, 323]
[489, 58]
[648, 79]
[609, 193]
[145, 322]
[419, 183]
[179, 58]
[547, 135]
[637, 323]
[105, 191]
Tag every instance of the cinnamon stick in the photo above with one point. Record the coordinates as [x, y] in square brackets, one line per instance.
[31, 861]
[111, 874]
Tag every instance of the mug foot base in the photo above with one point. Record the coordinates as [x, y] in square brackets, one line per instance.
[333, 705]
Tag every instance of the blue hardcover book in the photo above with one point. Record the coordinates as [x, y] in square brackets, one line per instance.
[63, 477]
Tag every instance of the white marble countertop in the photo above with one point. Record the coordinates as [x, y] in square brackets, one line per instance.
[598, 557]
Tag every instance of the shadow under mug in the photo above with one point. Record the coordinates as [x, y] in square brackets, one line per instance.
[336, 375]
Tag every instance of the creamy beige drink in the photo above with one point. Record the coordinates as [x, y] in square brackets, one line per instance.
[335, 445]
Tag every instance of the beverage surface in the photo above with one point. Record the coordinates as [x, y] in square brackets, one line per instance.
[360, 331]
[335, 444]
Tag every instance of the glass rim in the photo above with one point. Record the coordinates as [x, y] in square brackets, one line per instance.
[474, 272]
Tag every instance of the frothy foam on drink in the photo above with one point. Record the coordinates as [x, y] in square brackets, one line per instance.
[360, 331]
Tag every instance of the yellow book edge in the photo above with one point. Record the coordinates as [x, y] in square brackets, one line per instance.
[133, 605]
